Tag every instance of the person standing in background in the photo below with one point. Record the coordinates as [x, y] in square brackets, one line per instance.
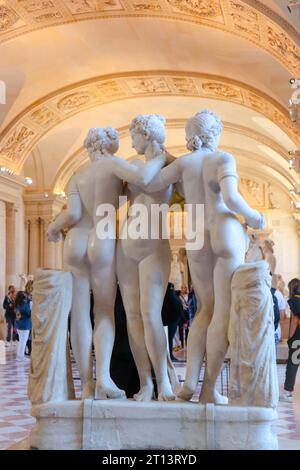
[293, 341]
[10, 313]
[192, 303]
[23, 318]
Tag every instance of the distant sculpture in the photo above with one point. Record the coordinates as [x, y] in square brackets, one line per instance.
[50, 377]
[90, 259]
[24, 278]
[143, 267]
[254, 252]
[209, 177]
[267, 247]
[177, 272]
[281, 286]
[253, 373]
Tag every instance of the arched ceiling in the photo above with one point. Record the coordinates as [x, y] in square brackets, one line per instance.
[73, 64]
[250, 19]
[37, 120]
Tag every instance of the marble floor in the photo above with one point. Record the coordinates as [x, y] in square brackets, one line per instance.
[16, 422]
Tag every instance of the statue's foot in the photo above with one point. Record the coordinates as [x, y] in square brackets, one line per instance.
[145, 393]
[88, 390]
[212, 396]
[186, 393]
[165, 392]
[108, 389]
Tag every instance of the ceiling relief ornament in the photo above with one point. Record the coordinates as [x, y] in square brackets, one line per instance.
[75, 101]
[44, 117]
[149, 5]
[258, 25]
[110, 89]
[53, 109]
[8, 18]
[254, 191]
[32, 6]
[183, 85]
[284, 47]
[203, 8]
[221, 90]
[16, 143]
[148, 85]
[245, 20]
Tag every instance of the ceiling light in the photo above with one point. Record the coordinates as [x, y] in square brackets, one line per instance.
[28, 180]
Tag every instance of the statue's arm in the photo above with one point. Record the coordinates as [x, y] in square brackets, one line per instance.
[171, 174]
[67, 217]
[228, 181]
[137, 175]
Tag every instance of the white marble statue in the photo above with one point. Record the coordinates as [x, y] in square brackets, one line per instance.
[209, 177]
[92, 260]
[177, 272]
[143, 267]
[253, 373]
[268, 251]
[254, 252]
[50, 376]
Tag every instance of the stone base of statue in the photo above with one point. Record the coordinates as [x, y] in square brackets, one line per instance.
[128, 425]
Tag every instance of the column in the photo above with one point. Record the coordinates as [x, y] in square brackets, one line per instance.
[11, 246]
[34, 245]
[3, 285]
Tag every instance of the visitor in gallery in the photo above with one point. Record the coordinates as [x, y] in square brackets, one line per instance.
[10, 313]
[23, 318]
[276, 282]
[185, 319]
[172, 312]
[192, 303]
[276, 316]
[293, 341]
[123, 370]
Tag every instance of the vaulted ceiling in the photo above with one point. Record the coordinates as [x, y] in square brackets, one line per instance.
[70, 65]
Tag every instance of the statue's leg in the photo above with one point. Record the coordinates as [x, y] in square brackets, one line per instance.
[104, 284]
[128, 277]
[230, 252]
[75, 249]
[154, 274]
[201, 269]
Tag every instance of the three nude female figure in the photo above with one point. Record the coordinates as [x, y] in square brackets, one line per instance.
[142, 266]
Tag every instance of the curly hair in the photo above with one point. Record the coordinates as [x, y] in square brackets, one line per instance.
[151, 125]
[102, 139]
[206, 128]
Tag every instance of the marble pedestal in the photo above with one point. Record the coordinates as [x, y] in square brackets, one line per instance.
[113, 425]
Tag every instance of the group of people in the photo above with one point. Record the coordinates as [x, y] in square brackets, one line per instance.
[17, 307]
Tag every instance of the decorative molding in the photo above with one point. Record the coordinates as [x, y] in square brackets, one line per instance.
[23, 133]
[250, 20]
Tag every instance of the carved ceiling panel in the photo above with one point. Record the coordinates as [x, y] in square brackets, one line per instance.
[260, 26]
[31, 125]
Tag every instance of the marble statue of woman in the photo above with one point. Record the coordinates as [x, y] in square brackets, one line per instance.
[92, 260]
[268, 251]
[177, 271]
[143, 267]
[254, 252]
[209, 177]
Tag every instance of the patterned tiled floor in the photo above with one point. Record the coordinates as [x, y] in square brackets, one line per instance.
[16, 422]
